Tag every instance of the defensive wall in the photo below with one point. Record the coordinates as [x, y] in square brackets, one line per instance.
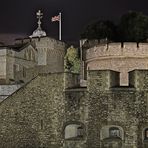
[121, 57]
[51, 52]
[47, 111]
[28, 53]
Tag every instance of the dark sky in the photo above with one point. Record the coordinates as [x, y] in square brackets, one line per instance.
[19, 16]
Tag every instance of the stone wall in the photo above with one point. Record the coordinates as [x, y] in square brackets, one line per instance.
[122, 107]
[7, 90]
[118, 57]
[76, 112]
[52, 106]
[3, 53]
[139, 79]
[38, 114]
[44, 51]
[33, 116]
[14, 62]
[71, 80]
[51, 52]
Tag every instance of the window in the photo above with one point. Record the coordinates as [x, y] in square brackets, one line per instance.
[111, 131]
[146, 134]
[80, 131]
[111, 136]
[114, 132]
[16, 67]
[24, 72]
[74, 131]
[41, 124]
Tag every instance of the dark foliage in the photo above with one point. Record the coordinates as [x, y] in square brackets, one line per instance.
[100, 30]
[133, 27]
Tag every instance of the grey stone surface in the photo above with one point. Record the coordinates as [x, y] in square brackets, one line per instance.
[103, 114]
[7, 90]
[39, 112]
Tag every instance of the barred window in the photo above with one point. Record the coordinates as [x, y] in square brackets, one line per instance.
[114, 132]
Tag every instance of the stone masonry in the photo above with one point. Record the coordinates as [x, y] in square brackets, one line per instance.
[119, 57]
[52, 110]
[21, 62]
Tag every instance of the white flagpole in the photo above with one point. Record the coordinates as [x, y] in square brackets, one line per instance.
[60, 26]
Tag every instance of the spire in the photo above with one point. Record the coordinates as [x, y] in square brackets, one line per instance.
[38, 32]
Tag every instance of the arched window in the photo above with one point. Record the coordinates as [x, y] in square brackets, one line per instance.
[111, 136]
[111, 131]
[114, 132]
[74, 131]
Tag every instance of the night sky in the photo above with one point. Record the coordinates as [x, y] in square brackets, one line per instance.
[19, 16]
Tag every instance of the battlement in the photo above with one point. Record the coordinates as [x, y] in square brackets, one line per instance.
[121, 57]
[42, 41]
[139, 79]
[117, 50]
[102, 79]
[107, 79]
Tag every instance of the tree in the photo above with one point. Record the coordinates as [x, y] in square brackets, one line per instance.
[133, 27]
[100, 30]
[72, 60]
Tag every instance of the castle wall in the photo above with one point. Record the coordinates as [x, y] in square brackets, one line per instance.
[38, 114]
[44, 51]
[117, 57]
[123, 107]
[53, 111]
[139, 79]
[71, 80]
[24, 76]
[51, 52]
[31, 117]
[17, 62]
[7, 90]
[3, 53]
[76, 112]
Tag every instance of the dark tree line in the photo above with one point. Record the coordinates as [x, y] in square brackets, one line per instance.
[132, 27]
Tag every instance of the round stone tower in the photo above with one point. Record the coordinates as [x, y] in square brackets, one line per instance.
[115, 56]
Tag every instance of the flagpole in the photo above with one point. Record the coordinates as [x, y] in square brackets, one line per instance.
[60, 26]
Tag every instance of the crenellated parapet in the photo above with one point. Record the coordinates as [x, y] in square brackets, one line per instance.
[117, 50]
[51, 52]
[139, 79]
[101, 80]
[121, 57]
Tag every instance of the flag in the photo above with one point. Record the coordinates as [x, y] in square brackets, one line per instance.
[58, 18]
[55, 18]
